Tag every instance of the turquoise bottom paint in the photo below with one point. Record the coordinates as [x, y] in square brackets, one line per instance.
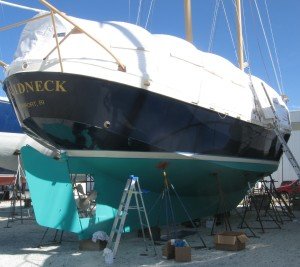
[195, 180]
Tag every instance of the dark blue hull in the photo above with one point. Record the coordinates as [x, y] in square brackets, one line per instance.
[79, 112]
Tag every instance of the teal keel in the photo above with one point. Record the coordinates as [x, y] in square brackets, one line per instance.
[52, 197]
[55, 207]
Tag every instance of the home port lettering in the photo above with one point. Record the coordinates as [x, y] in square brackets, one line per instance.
[33, 104]
[38, 86]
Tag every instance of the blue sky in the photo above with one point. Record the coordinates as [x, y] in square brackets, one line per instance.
[167, 17]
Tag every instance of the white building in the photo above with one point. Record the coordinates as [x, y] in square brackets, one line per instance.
[285, 170]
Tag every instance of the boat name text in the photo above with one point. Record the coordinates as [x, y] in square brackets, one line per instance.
[38, 86]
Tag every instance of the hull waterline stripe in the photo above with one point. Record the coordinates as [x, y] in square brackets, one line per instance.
[162, 155]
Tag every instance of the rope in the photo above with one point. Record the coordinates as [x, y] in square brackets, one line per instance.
[139, 12]
[268, 47]
[150, 12]
[274, 45]
[213, 27]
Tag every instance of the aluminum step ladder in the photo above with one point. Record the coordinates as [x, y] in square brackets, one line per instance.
[285, 147]
[132, 188]
[288, 152]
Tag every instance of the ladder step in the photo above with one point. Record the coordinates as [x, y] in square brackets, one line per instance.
[122, 215]
[116, 230]
[135, 208]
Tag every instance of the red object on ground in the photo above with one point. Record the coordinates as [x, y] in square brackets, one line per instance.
[7, 179]
[289, 187]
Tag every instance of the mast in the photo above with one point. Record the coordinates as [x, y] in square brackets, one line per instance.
[188, 20]
[239, 34]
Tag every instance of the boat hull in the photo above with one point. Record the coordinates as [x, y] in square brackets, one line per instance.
[112, 131]
[79, 112]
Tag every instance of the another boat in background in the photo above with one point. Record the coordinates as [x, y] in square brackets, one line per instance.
[12, 138]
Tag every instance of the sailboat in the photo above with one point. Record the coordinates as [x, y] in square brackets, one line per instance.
[116, 100]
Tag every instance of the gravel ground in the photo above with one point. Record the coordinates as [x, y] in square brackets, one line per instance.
[18, 247]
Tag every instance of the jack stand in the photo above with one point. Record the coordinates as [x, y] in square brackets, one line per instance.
[165, 196]
[223, 208]
[284, 207]
[53, 242]
[259, 201]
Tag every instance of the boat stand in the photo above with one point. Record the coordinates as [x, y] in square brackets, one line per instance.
[165, 197]
[17, 191]
[54, 241]
[261, 202]
[222, 210]
[6, 189]
[280, 204]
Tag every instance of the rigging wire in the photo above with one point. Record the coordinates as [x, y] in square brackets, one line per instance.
[1, 57]
[139, 12]
[247, 56]
[268, 47]
[150, 12]
[1, 54]
[274, 45]
[258, 43]
[245, 40]
[22, 7]
[129, 10]
[229, 29]
[2, 11]
[213, 27]
[214, 22]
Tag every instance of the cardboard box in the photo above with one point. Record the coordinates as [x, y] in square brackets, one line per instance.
[183, 254]
[232, 241]
[168, 251]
